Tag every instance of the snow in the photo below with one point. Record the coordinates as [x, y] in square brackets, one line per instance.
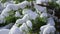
[13, 6]
[5, 12]
[4, 31]
[38, 1]
[28, 15]
[7, 3]
[58, 2]
[31, 14]
[8, 26]
[24, 28]
[46, 29]
[41, 1]
[23, 20]
[44, 15]
[29, 24]
[42, 28]
[51, 21]
[14, 30]
[40, 8]
[44, 1]
[2, 20]
[49, 29]
[1, 7]
[10, 7]
[17, 14]
[23, 4]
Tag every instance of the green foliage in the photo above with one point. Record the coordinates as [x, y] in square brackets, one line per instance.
[1, 25]
[27, 7]
[53, 5]
[30, 0]
[11, 18]
[37, 23]
[3, 1]
[30, 7]
[11, 13]
[18, 25]
[18, 1]
[20, 11]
